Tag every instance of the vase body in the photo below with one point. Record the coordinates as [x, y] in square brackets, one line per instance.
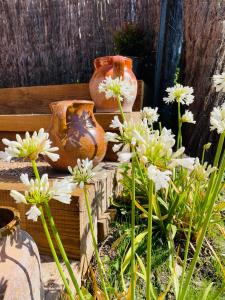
[114, 66]
[20, 267]
[75, 131]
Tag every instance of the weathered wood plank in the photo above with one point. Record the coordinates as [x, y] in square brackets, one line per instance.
[36, 99]
[32, 122]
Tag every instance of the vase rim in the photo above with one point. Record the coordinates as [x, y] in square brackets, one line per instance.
[110, 56]
[73, 101]
[9, 227]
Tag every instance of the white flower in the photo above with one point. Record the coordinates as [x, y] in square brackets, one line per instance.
[217, 119]
[200, 172]
[219, 82]
[18, 197]
[111, 137]
[160, 178]
[116, 123]
[33, 213]
[83, 172]
[186, 162]
[116, 147]
[151, 114]
[124, 156]
[61, 190]
[30, 147]
[188, 117]
[179, 93]
[117, 88]
[38, 192]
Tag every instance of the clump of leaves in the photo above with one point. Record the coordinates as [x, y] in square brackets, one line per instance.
[130, 40]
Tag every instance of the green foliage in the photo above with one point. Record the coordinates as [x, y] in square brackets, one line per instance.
[130, 40]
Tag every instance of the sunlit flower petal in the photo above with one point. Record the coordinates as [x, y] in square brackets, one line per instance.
[33, 213]
[217, 119]
[160, 178]
[179, 93]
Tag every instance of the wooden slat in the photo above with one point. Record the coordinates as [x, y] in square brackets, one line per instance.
[32, 122]
[36, 99]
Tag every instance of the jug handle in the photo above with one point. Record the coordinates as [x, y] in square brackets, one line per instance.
[118, 66]
[61, 114]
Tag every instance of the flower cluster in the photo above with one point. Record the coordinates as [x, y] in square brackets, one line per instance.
[151, 114]
[217, 119]
[179, 93]
[219, 82]
[82, 173]
[117, 88]
[40, 191]
[29, 147]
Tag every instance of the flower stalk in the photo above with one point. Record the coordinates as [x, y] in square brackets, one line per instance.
[52, 248]
[149, 241]
[133, 228]
[94, 241]
[212, 198]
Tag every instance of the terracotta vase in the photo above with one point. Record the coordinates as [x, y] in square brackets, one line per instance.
[75, 131]
[20, 268]
[114, 66]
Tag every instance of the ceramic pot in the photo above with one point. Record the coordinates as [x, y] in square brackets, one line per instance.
[20, 270]
[75, 131]
[114, 66]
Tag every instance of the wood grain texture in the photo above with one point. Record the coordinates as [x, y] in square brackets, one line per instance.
[203, 56]
[36, 99]
[53, 41]
[71, 220]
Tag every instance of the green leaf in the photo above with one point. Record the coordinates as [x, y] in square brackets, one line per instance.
[206, 292]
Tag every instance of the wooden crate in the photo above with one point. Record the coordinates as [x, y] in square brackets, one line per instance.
[71, 220]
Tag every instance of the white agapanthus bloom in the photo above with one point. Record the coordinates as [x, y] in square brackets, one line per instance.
[83, 172]
[219, 82]
[29, 147]
[117, 88]
[112, 137]
[217, 119]
[186, 162]
[124, 156]
[179, 93]
[41, 191]
[201, 172]
[116, 123]
[160, 178]
[151, 114]
[33, 213]
[188, 117]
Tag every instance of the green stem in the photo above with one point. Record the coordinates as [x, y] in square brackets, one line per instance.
[121, 109]
[213, 175]
[219, 149]
[52, 248]
[212, 198]
[36, 173]
[179, 136]
[188, 239]
[149, 242]
[62, 251]
[133, 229]
[94, 241]
[57, 238]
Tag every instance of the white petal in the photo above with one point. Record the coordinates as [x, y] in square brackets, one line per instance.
[18, 197]
[33, 213]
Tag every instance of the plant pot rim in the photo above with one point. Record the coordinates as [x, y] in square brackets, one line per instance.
[11, 226]
[73, 101]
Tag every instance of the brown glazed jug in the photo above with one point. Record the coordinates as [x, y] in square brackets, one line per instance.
[114, 66]
[20, 266]
[75, 131]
